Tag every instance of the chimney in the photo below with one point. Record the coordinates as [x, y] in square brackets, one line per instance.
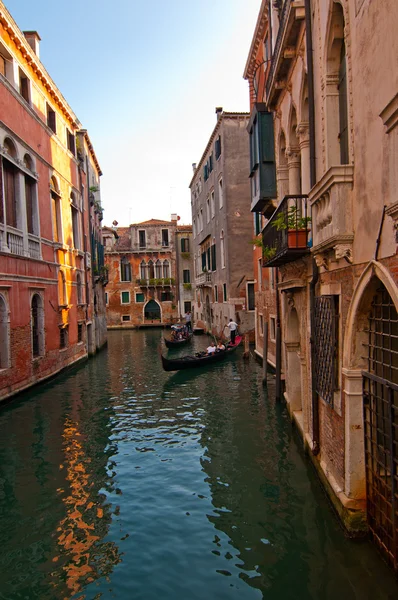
[33, 39]
[174, 217]
[218, 111]
[194, 167]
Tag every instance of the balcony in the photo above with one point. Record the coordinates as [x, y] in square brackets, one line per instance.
[203, 280]
[285, 237]
[156, 282]
[331, 207]
[291, 17]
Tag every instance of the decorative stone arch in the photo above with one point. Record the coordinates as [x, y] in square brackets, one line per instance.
[152, 311]
[10, 148]
[354, 362]
[4, 332]
[29, 162]
[336, 95]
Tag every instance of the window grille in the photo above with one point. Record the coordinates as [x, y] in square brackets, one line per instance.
[326, 347]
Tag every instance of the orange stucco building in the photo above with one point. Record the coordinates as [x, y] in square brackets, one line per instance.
[51, 301]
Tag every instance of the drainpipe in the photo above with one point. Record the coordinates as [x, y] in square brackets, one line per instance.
[315, 270]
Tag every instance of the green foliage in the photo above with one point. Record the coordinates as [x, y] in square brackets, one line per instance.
[293, 221]
[187, 286]
[186, 255]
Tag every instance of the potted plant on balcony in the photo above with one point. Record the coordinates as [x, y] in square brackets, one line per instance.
[296, 226]
[268, 251]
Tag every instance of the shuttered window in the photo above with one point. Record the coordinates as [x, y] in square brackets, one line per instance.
[213, 258]
[343, 111]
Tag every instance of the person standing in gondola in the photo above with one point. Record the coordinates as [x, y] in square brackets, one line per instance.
[232, 326]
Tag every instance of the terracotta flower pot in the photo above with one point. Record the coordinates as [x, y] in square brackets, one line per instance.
[297, 238]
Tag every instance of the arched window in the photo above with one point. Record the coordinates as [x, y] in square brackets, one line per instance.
[4, 335]
[31, 198]
[125, 269]
[151, 270]
[158, 269]
[222, 249]
[337, 90]
[37, 325]
[62, 289]
[10, 182]
[166, 269]
[56, 210]
[75, 216]
[143, 270]
[79, 289]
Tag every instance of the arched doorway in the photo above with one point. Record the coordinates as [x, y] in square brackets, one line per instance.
[380, 412]
[152, 311]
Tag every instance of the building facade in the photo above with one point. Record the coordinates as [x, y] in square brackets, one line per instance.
[144, 262]
[184, 259]
[222, 228]
[331, 85]
[46, 289]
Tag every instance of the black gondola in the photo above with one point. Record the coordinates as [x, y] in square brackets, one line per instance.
[178, 343]
[195, 361]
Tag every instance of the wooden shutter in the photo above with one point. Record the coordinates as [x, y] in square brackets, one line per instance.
[343, 111]
[213, 258]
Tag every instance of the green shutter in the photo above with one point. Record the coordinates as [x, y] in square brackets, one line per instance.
[213, 257]
[267, 156]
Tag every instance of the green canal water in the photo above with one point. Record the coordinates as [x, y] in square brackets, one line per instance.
[119, 480]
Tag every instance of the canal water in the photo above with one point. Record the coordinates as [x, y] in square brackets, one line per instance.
[119, 480]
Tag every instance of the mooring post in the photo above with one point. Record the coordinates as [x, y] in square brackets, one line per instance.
[265, 353]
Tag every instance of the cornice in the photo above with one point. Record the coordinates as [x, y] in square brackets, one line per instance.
[32, 59]
[258, 36]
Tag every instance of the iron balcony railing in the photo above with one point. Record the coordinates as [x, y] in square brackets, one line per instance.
[286, 235]
[275, 56]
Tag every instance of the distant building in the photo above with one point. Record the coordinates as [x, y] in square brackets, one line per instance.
[222, 228]
[145, 262]
[184, 267]
[51, 307]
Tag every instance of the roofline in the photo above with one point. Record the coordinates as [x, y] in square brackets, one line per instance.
[258, 34]
[91, 149]
[22, 45]
[223, 115]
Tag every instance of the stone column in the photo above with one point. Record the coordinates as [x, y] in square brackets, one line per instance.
[282, 178]
[304, 137]
[293, 162]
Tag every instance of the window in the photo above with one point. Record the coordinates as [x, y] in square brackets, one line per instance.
[79, 289]
[142, 238]
[62, 299]
[79, 333]
[260, 273]
[224, 287]
[2, 65]
[266, 51]
[31, 199]
[143, 270]
[166, 297]
[272, 328]
[56, 210]
[218, 147]
[213, 257]
[51, 119]
[220, 194]
[166, 269]
[71, 141]
[125, 269]
[24, 85]
[210, 162]
[201, 219]
[139, 298]
[63, 337]
[222, 248]
[158, 269]
[125, 297]
[4, 335]
[75, 227]
[106, 298]
[125, 317]
[194, 228]
[261, 324]
[257, 223]
[165, 237]
[215, 293]
[184, 244]
[187, 306]
[343, 110]
[212, 206]
[186, 276]
[208, 210]
[37, 323]
[251, 305]
[272, 281]
[206, 172]
[151, 269]
[10, 192]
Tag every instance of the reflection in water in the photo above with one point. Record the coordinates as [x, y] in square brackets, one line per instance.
[122, 481]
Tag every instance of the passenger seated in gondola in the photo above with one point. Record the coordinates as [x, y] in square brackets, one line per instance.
[211, 349]
[220, 346]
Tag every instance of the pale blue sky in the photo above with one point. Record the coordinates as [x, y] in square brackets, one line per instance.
[144, 80]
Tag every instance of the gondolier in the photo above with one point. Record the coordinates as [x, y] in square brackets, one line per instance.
[188, 320]
[232, 326]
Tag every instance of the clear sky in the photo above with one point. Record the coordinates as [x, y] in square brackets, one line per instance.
[144, 79]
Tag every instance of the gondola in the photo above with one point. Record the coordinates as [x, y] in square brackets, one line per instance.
[195, 361]
[178, 343]
[186, 336]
